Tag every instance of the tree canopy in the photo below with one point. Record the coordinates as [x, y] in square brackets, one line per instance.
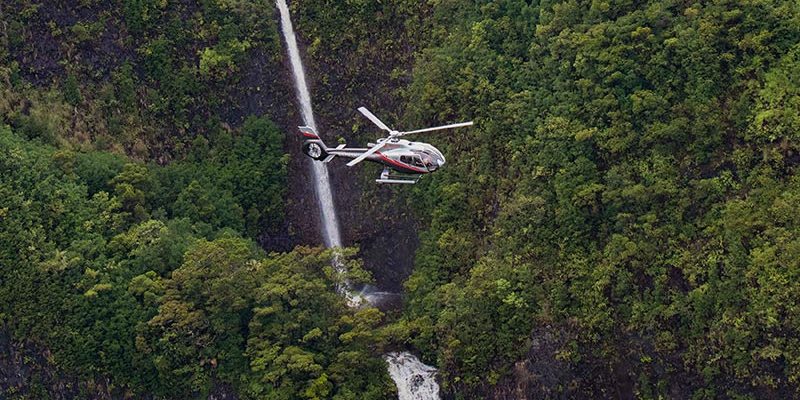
[621, 221]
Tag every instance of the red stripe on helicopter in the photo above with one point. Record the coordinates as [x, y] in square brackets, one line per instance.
[401, 165]
[310, 135]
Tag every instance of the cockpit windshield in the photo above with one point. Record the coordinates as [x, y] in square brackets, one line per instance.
[429, 159]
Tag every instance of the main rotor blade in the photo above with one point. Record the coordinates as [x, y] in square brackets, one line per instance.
[373, 118]
[367, 153]
[458, 125]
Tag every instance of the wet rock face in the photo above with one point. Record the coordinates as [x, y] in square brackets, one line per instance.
[388, 254]
[302, 211]
[222, 392]
[416, 382]
[540, 374]
[373, 217]
[341, 79]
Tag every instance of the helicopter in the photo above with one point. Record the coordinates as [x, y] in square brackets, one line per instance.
[404, 162]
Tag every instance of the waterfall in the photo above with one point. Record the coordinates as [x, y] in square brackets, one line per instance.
[322, 185]
[414, 379]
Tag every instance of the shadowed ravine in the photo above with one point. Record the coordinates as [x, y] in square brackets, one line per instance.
[414, 379]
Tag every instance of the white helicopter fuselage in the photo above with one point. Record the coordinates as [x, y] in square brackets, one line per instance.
[399, 154]
[410, 159]
[403, 156]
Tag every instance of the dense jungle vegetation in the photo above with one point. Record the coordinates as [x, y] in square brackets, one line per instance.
[138, 167]
[624, 219]
[621, 222]
[161, 292]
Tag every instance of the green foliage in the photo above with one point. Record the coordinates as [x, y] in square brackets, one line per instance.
[199, 325]
[98, 169]
[43, 120]
[274, 325]
[215, 208]
[72, 92]
[171, 306]
[310, 348]
[778, 105]
[628, 178]
[144, 77]
[218, 63]
[239, 184]
[621, 221]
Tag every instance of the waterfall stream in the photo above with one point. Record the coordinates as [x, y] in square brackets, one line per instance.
[322, 185]
[414, 379]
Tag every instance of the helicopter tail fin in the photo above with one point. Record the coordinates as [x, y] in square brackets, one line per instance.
[309, 133]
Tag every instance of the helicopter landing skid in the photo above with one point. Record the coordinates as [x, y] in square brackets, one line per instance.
[407, 181]
[386, 177]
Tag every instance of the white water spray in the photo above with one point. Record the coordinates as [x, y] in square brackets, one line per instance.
[414, 380]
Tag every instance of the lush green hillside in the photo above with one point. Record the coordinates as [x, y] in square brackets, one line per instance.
[141, 76]
[139, 164]
[120, 278]
[155, 80]
[623, 220]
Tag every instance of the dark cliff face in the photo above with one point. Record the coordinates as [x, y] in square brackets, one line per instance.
[302, 210]
[343, 76]
[25, 372]
[375, 219]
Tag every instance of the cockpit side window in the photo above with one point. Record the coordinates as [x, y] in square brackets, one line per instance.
[425, 160]
[414, 160]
